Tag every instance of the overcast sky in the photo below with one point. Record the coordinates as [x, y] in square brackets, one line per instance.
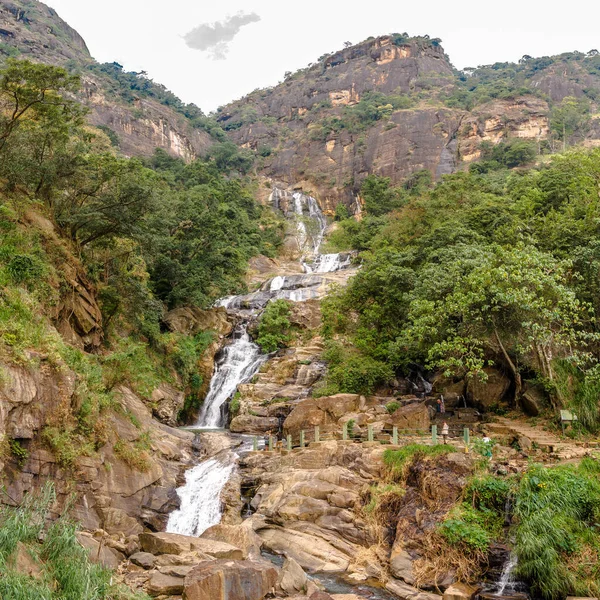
[211, 53]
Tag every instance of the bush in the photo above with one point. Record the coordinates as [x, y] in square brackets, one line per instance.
[398, 461]
[274, 326]
[392, 407]
[472, 538]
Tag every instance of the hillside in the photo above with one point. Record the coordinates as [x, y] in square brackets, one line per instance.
[137, 114]
[394, 105]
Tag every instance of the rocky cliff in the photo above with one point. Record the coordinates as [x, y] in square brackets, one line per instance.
[394, 105]
[137, 122]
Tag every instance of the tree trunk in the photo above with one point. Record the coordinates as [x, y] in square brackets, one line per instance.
[515, 372]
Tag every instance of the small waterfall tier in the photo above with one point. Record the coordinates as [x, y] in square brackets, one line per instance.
[238, 362]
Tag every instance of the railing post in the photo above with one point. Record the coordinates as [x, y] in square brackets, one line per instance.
[434, 435]
[395, 436]
[255, 444]
[302, 438]
[317, 437]
[270, 442]
[467, 436]
[370, 432]
[345, 431]
[289, 441]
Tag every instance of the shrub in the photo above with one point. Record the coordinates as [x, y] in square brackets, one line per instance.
[470, 536]
[274, 326]
[397, 461]
[392, 407]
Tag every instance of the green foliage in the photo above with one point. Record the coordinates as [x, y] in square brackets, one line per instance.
[234, 405]
[470, 537]
[379, 197]
[398, 461]
[497, 268]
[557, 541]
[570, 119]
[392, 407]
[487, 492]
[274, 326]
[20, 453]
[506, 154]
[67, 572]
[341, 212]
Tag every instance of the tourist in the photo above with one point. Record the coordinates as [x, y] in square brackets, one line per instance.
[439, 405]
[445, 432]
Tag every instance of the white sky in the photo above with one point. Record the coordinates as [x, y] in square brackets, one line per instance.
[147, 35]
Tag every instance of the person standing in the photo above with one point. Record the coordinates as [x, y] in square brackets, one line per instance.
[445, 432]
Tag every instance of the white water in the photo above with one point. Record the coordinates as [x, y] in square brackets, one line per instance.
[277, 283]
[238, 363]
[328, 263]
[506, 579]
[200, 498]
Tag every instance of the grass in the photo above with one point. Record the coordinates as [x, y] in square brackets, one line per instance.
[66, 571]
[398, 461]
[557, 539]
[135, 454]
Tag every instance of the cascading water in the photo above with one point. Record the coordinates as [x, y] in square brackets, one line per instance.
[237, 364]
[506, 582]
[201, 494]
[200, 498]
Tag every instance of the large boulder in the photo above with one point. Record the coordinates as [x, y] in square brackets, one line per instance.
[411, 416]
[292, 579]
[324, 412]
[401, 565]
[460, 591]
[230, 580]
[190, 320]
[408, 592]
[174, 543]
[161, 584]
[489, 392]
[253, 424]
[241, 536]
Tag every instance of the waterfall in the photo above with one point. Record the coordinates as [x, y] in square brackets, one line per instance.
[506, 579]
[328, 263]
[200, 498]
[237, 364]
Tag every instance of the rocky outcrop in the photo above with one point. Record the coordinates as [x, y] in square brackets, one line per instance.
[233, 580]
[34, 31]
[488, 392]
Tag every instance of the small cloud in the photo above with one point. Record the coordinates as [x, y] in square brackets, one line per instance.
[214, 38]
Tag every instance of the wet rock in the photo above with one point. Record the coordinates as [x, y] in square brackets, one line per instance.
[143, 559]
[174, 543]
[231, 580]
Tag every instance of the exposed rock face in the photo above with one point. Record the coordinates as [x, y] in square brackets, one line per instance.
[174, 543]
[489, 392]
[412, 416]
[39, 34]
[230, 580]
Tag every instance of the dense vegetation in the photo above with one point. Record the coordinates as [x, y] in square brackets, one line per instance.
[66, 573]
[147, 235]
[497, 268]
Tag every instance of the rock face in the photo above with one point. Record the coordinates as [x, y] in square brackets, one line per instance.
[230, 580]
[489, 392]
[35, 32]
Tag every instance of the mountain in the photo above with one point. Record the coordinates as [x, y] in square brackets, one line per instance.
[394, 105]
[137, 114]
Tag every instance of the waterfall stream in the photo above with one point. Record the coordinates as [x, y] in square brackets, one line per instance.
[239, 361]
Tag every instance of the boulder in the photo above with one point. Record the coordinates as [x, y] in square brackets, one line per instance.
[292, 578]
[174, 543]
[143, 559]
[167, 402]
[189, 320]
[411, 416]
[401, 565]
[253, 424]
[99, 552]
[460, 591]
[161, 584]
[241, 536]
[324, 412]
[532, 400]
[407, 592]
[489, 392]
[230, 580]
